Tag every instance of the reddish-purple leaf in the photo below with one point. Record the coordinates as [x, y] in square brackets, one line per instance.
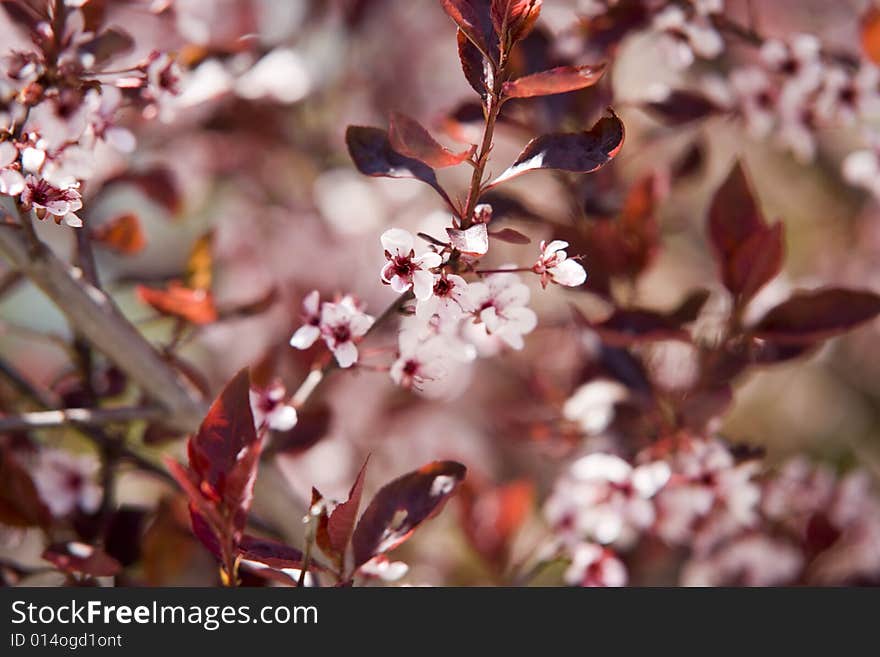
[472, 241]
[271, 553]
[473, 64]
[627, 327]
[227, 429]
[756, 262]
[689, 308]
[401, 506]
[341, 522]
[511, 236]
[682, 107]
[75, 557]
[516, 17]
[20, 503]
[472, 18]
[408, 137]
[749, 252]
[559, 80]
[373, 155]
[810, 316]
[580, 152]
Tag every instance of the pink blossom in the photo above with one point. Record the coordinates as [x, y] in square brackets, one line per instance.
[419, 361]
[684, 38]
[269, 409]
[11, 181]
[65, 482]
[499, 302]
[404, 269]
[45, 198]
[595, 566]
[554, 265]
[604, 499]
[449, 300]
[310, 331]
[342, 323]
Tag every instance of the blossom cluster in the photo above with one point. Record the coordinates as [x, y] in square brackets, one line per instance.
[61, 106]
[736, 523]
[453, 320]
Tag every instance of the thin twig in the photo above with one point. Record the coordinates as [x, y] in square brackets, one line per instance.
[89, 417]
[96, 317]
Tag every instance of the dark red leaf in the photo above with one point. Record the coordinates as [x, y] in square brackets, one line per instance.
[810, 316]
[630, 326]
[226, 430]
[24, 15]
[122, 234]
[408, 137]
[122, 537]
[581, 152]
[559, 80]
[271, 553]
[472, 18]
[342, 519]
[511, 236]
[74, 557]
[516, 17]
[473, 64]
[401, 506]
[373, 155]
[682, 107]
[20, 504]
[194, 306]
[756, 262]
[689, 308]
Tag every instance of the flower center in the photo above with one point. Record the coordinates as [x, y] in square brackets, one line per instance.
[341, 333]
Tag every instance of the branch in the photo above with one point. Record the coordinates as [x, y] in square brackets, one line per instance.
[89, 417]
[94, 315]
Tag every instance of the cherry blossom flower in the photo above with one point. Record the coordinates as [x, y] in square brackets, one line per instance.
[11, 181]
[45, 198]
[419, 361]
[592, 405]
[499, 302]
[603, 498]
[751, 560]
[709, 497]
[65, 482]
[388, 571]
[342, 323]
[449, 300]
[595, 566]
[861, 168]
[798, 59]
[269, 409]
[404, 269]
[555, 266]
[310, 331]
[757, 99]
[685, 38]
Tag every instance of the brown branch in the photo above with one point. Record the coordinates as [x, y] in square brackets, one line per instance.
[95, 316]
[89, 417]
